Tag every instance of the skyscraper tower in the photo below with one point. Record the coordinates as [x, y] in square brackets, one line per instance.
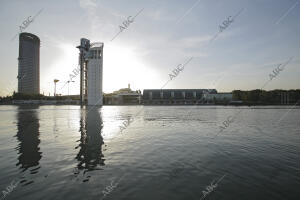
[29, 64]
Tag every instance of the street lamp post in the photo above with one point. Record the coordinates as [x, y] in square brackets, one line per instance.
[55, 81]
[69, 87]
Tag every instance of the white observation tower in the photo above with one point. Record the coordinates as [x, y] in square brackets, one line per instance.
[91, 72]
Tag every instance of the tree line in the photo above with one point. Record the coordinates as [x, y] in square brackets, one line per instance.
[272, 97]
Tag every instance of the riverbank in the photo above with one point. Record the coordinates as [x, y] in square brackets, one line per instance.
[77, 102]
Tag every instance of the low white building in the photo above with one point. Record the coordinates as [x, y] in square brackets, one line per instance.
[124, 96]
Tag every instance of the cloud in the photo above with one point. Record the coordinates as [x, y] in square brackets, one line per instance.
[160, 15]
[194, 42]
[88, 4]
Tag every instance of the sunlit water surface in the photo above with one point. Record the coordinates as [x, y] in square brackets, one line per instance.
[150, 152]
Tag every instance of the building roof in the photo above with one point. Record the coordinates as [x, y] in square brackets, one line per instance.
[175, 90]
[31, 36]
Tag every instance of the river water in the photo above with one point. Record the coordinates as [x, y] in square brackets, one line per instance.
[150, 152]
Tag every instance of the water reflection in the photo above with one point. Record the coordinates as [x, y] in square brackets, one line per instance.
[90, 147]
[28, 137]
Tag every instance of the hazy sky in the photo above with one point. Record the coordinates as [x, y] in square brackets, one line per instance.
[165, 34]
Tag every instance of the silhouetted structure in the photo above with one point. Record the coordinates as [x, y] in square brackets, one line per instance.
[176, 96]
[28, 137]
[272, 97]
[90, 148]
[124, 96]
[29, 64]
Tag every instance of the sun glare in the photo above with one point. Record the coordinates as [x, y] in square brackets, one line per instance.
[122, 65]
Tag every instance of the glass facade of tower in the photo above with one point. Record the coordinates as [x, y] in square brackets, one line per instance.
[29, 64]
